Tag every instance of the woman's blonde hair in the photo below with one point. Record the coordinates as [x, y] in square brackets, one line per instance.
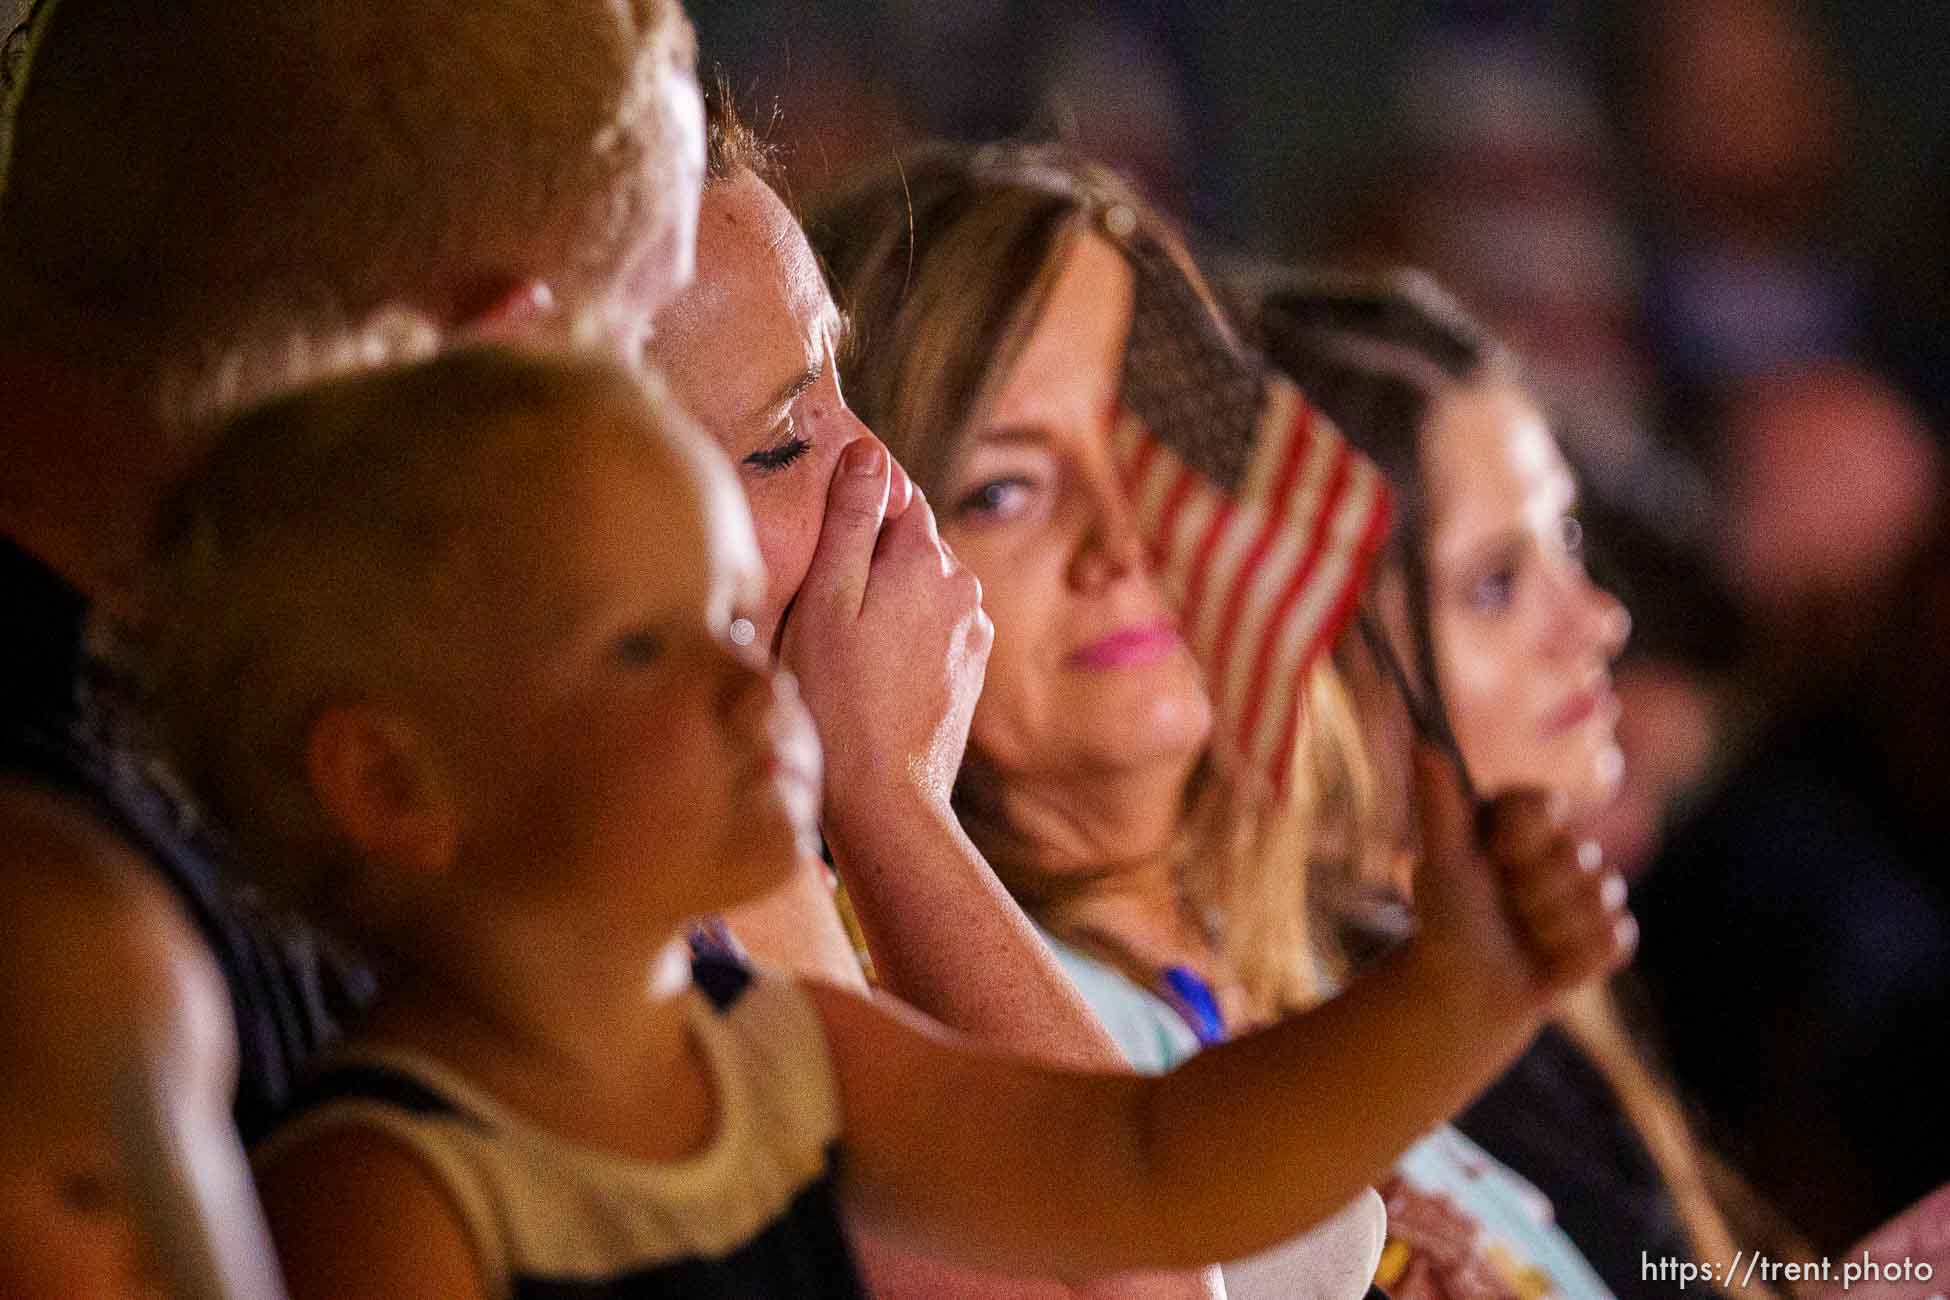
[945, 262]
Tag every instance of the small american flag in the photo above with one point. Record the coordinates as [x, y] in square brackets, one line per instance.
[1262, 520]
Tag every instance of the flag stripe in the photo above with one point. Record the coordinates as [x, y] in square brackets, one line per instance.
[1360, 526]
[1250, 544]
[1265, 578]
[1283, 613]
[1199, 566]
[1194, 504]
[1298, 494]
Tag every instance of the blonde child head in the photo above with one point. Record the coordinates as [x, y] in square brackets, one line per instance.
[474, 613]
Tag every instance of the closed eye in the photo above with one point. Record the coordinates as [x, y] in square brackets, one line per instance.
[770, 460]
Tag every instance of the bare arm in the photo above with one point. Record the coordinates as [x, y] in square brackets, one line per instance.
[134, 1044]
[953, 1148]
[892, 1271]
[947, 938]
[357, 1218]
[797, 929]
[186, 1162]
[890, 643]
[793, 929]
[958, 1151]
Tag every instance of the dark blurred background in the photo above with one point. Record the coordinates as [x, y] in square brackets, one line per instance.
[1268, 111]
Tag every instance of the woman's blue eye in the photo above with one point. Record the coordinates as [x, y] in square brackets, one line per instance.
[769, 460]
[638, 648]
[994, 497]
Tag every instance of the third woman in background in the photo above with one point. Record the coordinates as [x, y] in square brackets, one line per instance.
[1485, 600]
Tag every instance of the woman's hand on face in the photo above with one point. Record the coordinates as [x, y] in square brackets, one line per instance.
[888, 640]
[1510, 894]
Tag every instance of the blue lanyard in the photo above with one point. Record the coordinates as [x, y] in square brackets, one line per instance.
[1191, 997]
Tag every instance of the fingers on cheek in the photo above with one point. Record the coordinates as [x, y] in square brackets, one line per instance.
[897, 550]
[919, 517]
[915, 531]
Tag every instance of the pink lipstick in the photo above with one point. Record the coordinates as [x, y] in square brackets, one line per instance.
[1580, 706]
[1128, 647]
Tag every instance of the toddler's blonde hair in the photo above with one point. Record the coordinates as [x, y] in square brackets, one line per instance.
[294, 567]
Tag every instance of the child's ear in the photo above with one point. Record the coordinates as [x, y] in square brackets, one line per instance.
[375, 773]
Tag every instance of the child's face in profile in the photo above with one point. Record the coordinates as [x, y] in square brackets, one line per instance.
[625, 756]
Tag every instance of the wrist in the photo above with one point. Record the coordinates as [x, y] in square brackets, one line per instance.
[1467, 986]
[869, 773]
[861, 814]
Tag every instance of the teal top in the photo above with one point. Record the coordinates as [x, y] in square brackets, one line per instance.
[1519, 1231]
[1151, 1035]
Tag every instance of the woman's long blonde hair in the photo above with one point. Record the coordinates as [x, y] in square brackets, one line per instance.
[945, 261]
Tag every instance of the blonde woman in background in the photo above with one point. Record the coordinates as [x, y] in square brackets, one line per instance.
[993, 293]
